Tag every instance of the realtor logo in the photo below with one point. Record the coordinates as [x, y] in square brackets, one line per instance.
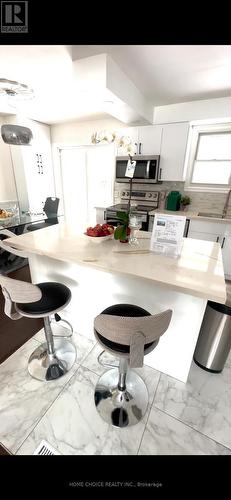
[14, 17]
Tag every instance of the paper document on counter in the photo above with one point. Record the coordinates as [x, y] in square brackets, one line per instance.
[167, 234]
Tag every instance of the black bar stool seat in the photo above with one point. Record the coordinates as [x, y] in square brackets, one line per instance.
[54, 296]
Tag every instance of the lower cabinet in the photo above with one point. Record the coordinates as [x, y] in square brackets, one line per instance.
[214, 231]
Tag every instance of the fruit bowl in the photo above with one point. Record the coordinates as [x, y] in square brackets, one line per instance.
[99, 239]
[6, 216]
[99, 233]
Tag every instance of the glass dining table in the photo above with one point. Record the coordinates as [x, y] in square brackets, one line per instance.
[19, 224]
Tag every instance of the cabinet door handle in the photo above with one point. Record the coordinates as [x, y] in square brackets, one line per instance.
[223, 242]
[38, 169]
[217, 239]
[136, 148]
[139, 148]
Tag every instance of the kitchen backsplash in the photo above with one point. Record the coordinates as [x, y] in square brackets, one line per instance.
[200, 201]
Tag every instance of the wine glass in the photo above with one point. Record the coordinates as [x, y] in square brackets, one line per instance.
[134, 224]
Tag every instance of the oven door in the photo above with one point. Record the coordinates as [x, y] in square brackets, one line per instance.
[110, 218]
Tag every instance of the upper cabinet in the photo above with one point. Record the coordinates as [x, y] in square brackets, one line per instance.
[147, 139]
[173, 150]
[168, 140]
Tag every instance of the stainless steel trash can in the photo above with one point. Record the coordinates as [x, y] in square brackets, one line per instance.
[214, 341]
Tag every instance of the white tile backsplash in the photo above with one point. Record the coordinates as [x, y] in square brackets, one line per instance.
[201, 201]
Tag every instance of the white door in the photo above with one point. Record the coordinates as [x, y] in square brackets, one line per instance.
[87, 182]
[100, 178]
[74, 186]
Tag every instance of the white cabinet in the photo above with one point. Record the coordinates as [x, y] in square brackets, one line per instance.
[214, 231]
[33, 168]
[204, 227]
[173, 150]
[147, 139]
[226, 252]
[167, 140]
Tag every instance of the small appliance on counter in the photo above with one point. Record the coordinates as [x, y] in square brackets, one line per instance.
[173, 200]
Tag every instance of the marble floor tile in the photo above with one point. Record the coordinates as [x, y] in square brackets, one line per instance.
[164, 435]
[91, 361]
[204, 402]
[24, 400]
[82, 343]
[72, 424]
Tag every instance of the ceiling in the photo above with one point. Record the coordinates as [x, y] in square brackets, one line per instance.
[167, 74]
[163, 74]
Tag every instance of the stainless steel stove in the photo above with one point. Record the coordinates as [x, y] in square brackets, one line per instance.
[142, 202]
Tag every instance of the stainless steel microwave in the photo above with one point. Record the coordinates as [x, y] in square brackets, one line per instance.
[146, 170]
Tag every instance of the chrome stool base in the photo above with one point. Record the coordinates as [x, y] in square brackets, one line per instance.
[44, 366]
[117, 407]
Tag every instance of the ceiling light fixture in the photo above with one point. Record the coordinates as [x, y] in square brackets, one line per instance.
[16, 135]
[14, 89]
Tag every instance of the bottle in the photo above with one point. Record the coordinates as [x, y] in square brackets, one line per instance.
[162, 200]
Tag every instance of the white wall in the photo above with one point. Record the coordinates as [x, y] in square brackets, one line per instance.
[7, 182]
[18, 165]
[124, 89]
[79, 133]
[194, 110]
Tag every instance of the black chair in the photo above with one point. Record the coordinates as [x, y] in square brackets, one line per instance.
[51, 210]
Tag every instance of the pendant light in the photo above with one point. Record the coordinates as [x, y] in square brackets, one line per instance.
[15, 91]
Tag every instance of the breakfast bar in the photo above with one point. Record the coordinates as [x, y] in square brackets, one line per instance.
[109, 272]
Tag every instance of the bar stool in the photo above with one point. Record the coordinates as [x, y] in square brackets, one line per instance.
[8, 250]
[54, 358]
[129, 332]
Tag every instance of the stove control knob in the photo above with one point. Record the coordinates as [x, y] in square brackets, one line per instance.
[127, 193]
[123, 193]
[149, 195]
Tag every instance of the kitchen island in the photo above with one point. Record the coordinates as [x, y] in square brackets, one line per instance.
[102, 274]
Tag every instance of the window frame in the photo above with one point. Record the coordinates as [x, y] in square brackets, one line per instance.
[195, 132]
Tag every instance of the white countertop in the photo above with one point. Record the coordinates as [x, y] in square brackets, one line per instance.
[186, 213]
[191, 214]
[198, 271]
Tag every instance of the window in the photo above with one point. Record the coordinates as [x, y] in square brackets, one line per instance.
[209, 167]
